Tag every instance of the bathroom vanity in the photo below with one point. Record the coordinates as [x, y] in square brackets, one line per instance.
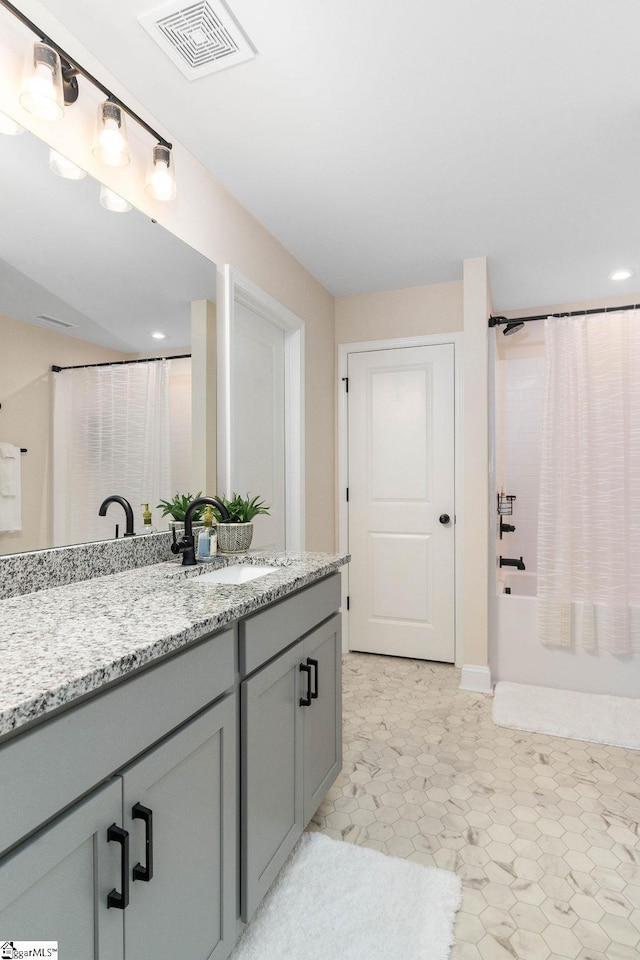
[163, 744]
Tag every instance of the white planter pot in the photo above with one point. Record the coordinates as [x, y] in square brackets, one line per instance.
[234, 537]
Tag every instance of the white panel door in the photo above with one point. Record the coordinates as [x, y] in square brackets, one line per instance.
[258, 421]
[401, 483]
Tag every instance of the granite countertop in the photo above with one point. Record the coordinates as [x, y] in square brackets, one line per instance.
[59, 644]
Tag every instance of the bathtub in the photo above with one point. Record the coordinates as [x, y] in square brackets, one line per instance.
[517, 655]
[518, 583]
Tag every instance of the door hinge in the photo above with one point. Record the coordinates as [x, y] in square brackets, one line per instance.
[345, 380]
[347, 494]
[348, 602]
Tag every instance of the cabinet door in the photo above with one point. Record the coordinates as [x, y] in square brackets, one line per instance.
[323, 719]
[188, 784]
[55, 885]
[271, 775]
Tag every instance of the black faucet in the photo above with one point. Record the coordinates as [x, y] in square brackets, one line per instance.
[512, 563]
[128, 512]
[186, 545]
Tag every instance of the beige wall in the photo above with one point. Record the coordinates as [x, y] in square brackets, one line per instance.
[26, 355]
[411, 312]
[455, 307]
[208, 218]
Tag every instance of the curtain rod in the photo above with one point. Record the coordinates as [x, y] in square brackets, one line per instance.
[496, 321]
[120, 363]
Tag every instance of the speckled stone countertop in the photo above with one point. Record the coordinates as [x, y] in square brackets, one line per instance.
[59, 644]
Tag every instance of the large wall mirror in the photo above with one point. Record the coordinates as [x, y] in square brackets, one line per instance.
[82, 286]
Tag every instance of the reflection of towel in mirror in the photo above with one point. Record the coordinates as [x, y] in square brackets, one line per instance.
[9, 487]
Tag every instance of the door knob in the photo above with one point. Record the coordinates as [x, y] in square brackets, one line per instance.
[444, 518]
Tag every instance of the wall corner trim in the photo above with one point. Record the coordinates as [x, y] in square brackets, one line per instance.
[476, 679]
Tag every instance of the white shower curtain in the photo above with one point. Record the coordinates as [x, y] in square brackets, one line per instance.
[111, 435]
[589, 512]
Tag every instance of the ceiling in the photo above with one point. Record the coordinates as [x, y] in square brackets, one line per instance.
[383, 143]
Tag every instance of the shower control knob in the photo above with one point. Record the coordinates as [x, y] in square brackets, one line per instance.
[444, 518]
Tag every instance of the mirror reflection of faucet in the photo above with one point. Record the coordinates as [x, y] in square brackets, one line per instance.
[128, 512]
[505, 562]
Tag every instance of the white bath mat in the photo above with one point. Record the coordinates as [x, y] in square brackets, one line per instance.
[596, 717]
[336, 901]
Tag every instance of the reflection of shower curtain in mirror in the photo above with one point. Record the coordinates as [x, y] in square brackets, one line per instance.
[589, 510]
[111, 435]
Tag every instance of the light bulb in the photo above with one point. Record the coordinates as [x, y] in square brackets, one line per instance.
[112, 201]
[65, 168]
[111, 138]
[9, 126]
[110, 144]
[160, 181]
[42, 88]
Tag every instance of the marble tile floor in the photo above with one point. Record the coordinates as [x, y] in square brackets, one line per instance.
[544, 832]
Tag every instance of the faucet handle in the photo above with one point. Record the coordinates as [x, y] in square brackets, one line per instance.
[175, 546]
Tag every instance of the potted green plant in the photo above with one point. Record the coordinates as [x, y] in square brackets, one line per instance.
[236, 533]
[177, 507]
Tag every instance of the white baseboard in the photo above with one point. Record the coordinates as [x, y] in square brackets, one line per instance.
[477, 679]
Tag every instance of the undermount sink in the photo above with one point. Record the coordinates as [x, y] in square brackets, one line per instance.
[236, 573]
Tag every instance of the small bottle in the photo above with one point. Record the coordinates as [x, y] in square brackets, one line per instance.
[147, 520]
[208, 537]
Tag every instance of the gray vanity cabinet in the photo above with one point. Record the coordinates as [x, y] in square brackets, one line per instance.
[184, 793]
[323, 719]
[291, 752]
[55, 887]
[163, 744]
[166, 762]
[272, 773]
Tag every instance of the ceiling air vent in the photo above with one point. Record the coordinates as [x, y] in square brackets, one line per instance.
[199, 38]
[55, 323]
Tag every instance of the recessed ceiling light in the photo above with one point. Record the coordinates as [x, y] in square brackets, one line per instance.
[620, 274]
[158, 335]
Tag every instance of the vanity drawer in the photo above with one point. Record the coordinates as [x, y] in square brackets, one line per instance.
[60, 759]
[263, 635]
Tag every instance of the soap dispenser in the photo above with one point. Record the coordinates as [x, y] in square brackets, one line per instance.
[208, 539]
[147, 519]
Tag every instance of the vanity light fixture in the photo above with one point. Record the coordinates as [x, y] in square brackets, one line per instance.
[9, 126]
[112, 201]
[51, 81]
[110, 143]
[65, 168]
[622, 274]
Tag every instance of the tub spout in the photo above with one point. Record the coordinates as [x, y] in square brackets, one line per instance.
[505, 562]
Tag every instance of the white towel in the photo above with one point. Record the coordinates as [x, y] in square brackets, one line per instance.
[10, 505]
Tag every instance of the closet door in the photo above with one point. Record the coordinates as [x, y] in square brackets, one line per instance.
[401, 502]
